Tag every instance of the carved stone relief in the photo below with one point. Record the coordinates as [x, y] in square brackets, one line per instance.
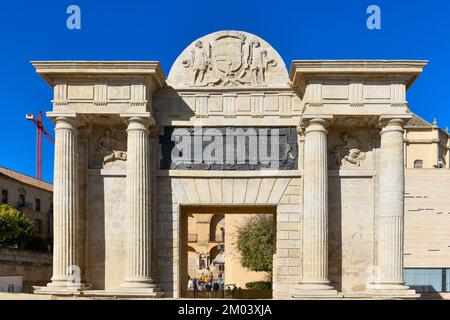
[229, 59]
[350, 148]
[349, 152]
[108, 148]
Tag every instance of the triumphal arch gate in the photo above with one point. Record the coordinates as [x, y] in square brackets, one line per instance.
[229, 130]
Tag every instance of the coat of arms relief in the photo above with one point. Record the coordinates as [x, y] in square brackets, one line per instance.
[231, 59]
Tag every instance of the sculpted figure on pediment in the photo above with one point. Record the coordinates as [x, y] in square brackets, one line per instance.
[259, 63]
[229, 59]
[198, 61]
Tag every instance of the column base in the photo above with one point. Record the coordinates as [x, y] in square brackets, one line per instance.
[67, 282]
[153, 292]
[140, 287]
[392, 291]
[99, 294]
[138, 283]
[62, 288]
[315, 291]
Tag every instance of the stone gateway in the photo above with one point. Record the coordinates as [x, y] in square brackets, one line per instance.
[123, 187]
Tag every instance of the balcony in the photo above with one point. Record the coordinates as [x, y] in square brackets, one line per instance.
[192, 238]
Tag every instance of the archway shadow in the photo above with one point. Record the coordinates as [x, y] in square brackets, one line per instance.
[335, 232]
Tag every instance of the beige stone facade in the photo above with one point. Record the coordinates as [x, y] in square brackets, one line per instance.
[120, 217]
[426, 145]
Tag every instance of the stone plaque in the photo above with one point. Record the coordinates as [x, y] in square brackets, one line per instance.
[231, 148]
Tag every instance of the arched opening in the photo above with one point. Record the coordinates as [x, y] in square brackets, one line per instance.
[217, 259]
[217, 228]
[213, 267]
[418, 164]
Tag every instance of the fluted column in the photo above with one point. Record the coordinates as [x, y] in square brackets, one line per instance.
[315, 212]
[138, 198]
[65, 200]
[391, 189]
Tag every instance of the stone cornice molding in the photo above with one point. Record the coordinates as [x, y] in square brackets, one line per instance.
[52, 70]
[301, 70]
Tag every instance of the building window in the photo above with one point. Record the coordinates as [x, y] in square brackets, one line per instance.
[37, 204]
[22, 200]
[10, 288]
[4, 196]
[418, 164]
[430, 280]
[38, 225]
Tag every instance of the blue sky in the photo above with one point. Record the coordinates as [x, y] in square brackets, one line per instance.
[159, 30]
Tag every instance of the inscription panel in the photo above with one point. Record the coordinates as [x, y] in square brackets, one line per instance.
[230, 148]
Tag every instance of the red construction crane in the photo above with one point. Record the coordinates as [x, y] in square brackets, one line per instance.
[39, 131]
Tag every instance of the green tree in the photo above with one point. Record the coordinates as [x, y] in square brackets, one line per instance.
[15, 228]
[36, 243]
[255, 243]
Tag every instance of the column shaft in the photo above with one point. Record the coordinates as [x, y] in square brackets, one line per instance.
[315, 214]
[65, 199]
[391, 207]
[138, 197]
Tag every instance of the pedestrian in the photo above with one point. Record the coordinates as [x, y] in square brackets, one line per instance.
[190, 284]
[220, 281]
[195, 287]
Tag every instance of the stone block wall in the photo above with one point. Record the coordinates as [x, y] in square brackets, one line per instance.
[35, 267]
[283, 194]
[287, 258]
[427, 218]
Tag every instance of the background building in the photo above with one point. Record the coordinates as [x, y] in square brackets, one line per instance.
[426, 145]
[22, 269]
[212, 248]
[427, 206]
[31, 196]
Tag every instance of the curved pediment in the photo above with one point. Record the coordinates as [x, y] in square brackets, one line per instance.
[228, 59]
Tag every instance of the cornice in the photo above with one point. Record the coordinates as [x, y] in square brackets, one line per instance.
[51, 70]
[301, 69]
